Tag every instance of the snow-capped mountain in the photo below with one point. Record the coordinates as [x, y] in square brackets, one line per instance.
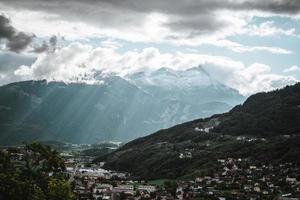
[193, 85]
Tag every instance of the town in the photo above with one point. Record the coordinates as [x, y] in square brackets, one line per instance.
[233, 178]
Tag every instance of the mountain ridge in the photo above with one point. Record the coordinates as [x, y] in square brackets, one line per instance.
[252, 130]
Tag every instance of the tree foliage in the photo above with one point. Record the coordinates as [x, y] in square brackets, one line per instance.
[265, 114]
[39, 175]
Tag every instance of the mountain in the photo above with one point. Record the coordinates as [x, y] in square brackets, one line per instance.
[265, 128]
[193, 86]
[41, 110]
[118, 108]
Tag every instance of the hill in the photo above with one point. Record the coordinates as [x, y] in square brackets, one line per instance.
[265, 128]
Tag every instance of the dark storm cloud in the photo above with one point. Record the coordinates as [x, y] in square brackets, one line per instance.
[17, 41]
[275, 6]
[199, 25]
[188, 7]
[14, 40]
[196, 16]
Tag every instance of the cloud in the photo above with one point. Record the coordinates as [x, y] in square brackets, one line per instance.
[239, 48]
[110, 43]
[79, 62]
[292, 69]
[14, 40]
[290, 7]
[256, 78]
[268, 29]
[9, 62]
[174, 21]
[51, 45]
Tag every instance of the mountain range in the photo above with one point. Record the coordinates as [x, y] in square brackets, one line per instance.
[117, 108]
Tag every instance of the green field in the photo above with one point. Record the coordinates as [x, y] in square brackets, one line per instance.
[158, 182]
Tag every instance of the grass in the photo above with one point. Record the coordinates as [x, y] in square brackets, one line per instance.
[158, 182]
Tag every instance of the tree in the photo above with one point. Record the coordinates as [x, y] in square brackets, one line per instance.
[59, 190]
[38, 176]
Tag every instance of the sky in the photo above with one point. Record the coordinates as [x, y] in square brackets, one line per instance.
[248, 45]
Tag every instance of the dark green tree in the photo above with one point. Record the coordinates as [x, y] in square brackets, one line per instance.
[38, 176]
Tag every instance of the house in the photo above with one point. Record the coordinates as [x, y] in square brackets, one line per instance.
[256, 189]
[127, 189]
[179, 193]
[148, 188]
[291, 180]
[100, 188]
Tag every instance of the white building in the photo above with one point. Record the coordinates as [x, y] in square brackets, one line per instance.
[148, 188]
[128, 189]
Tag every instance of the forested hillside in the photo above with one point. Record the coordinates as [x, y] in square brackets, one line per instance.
[265, 129]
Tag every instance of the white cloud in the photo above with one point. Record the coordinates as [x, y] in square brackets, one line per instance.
[267, 28]
[258, 77]
[292, 69]
[111, 43]
[239, 48]
[63, 64]
[78, 62]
